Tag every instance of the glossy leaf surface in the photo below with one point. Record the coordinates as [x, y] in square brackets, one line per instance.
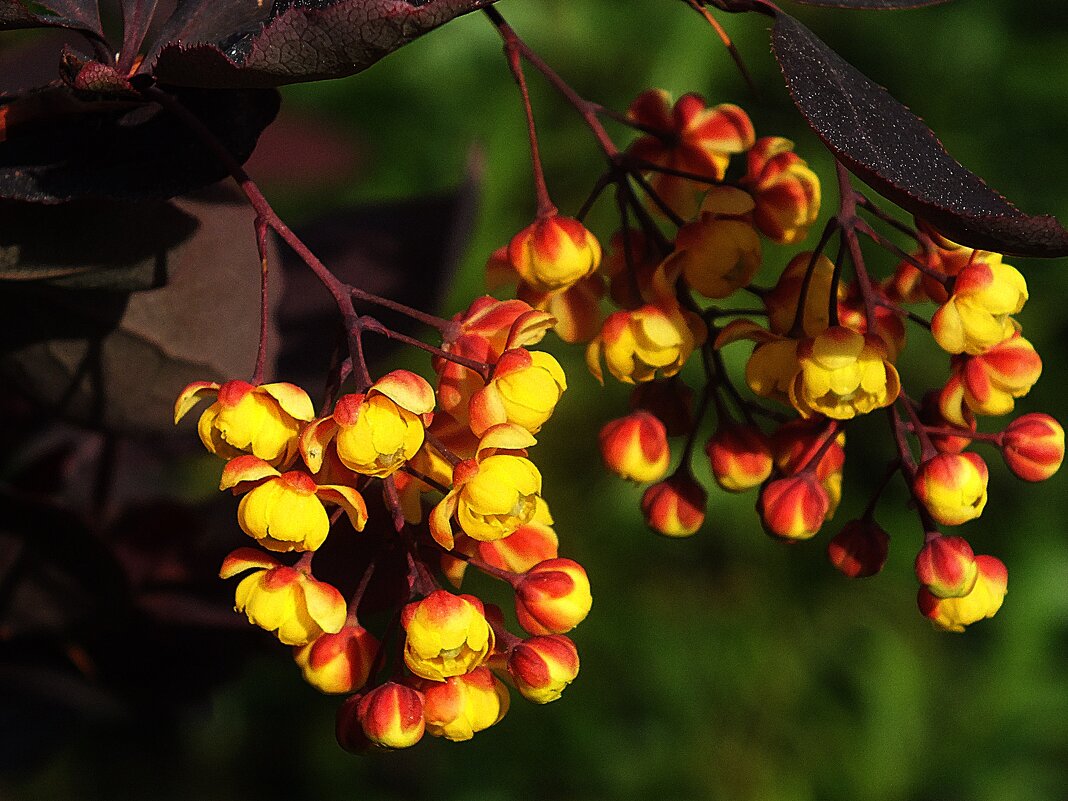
[895, 153]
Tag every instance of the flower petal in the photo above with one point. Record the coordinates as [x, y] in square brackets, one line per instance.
[246, 559]
[191, 396]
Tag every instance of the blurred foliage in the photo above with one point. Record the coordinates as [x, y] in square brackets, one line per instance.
[726, 666]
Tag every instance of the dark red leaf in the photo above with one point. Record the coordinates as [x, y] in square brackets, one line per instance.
[55, 146]
[895, 153]
[308, 40]
[82, 15]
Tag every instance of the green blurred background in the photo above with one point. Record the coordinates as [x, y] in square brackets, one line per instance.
[724, 666]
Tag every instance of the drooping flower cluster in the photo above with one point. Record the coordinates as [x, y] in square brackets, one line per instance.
[825, 348]
[459, 450]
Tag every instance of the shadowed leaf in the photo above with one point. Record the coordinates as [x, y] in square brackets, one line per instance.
[82, 15]
[104, 244]
[297, 41]
[894, 152]
[117, 360]
[56, 147]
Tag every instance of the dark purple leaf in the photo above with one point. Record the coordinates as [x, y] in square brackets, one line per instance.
[895, 153]
[299, 40]
[58, 147]
[117, 360]
[82, 15]
[136, 18]
[872, 4]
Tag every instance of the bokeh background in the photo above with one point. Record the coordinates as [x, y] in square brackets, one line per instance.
[724, 666]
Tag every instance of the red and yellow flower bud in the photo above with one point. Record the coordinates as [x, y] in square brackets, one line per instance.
[1033, 446]
[976, 316]
[786, 191]
[718, 256]
[264, 421]
[644, 343]
[462, 705]
[795, 507]
[447, 635]
[636, 448]
[983, 601]
[740, 456]
[284, 511]
[524, 390]
[694, 138]
[989, 383]
[843, 374]
[946, 567]
[553, 597]
[542, 667]
[338, 663]
[554, 253]
[284, 600]
[675, 507]
[860, 549]
[392, 716]
[952, 487]
[525, 547]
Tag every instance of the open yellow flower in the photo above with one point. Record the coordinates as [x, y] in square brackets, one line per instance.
[284, 511]
[976, 316]
[645, 343]
[494, 493]
[264, 420]
[375, 432]
[843, 374]
[282, 599]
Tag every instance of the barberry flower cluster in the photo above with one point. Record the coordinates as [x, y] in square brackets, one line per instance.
[699, 196]
[453, 466]
[825, 348]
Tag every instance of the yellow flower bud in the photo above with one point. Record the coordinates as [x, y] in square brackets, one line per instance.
[554, 253]
[645, 343]
[843, 374]
[462, 705]
[953, 487]
[447, 635]
[983, 601]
